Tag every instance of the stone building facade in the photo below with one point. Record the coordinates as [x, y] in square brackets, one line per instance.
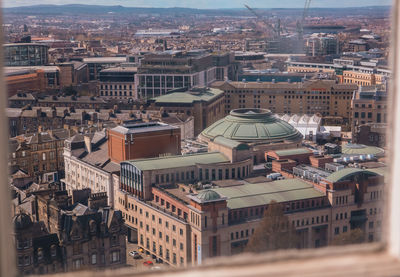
[325, 97]
[39, 154]
[38, 252]
[205, 104]
[91, 233]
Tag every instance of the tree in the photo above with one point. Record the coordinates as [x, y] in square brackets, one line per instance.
[68, 91]
[274, 231]
[353, 237]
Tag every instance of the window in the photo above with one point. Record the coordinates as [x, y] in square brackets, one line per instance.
[114, 256]
[20, 260]
[77, 263]
[94, 258]
[40, 254]
[337, 231]
[114, 240]
[173, 258]
[371, 225]
[53, 250]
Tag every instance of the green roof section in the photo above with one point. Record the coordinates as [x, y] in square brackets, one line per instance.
[231, 143]
[189, 97]
[346, 173]
[383, 171]
[361, 149]
[249, 195]
[252, 125]
[294, 151]
[179, 161]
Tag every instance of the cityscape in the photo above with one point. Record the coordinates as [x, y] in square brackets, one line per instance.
[156, 138]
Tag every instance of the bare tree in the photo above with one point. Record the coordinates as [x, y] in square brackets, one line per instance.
[274, 231]
[352, 237]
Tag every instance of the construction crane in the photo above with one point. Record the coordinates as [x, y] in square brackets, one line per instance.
[277, 31]
[300, 24]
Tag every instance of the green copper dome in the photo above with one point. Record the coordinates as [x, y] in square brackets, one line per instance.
[208, 195]
[252, 125]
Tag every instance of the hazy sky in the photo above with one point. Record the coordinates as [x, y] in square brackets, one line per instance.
[207, 4]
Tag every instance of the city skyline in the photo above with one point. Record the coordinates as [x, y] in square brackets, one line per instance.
[205, 4]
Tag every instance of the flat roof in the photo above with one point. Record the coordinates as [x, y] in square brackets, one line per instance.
[259, 194]
[104, 60]
[143, 128]
[25, 44]
[189, 96]
[294, 151]
[179, 161]
[120, 69]
[45, 68]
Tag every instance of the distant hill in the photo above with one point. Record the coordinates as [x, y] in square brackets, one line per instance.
[76, 9]
[96, 9]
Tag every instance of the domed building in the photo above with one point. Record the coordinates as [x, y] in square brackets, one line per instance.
[258, 128]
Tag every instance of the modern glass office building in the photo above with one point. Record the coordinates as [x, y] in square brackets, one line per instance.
[25, 54]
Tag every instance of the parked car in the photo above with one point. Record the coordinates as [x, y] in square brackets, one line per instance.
[135, 254]
[148, 263]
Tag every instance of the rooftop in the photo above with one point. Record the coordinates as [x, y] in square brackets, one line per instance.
[104, 60]
[250, 195]
[206, 196]
[121, 69]
[179, 161]
[294, 151]
[252, 125]
[230, 143]
[361, 149]
[142, 128]
[328, 84]
[346, 173]
[189, 97]
[25, 44]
